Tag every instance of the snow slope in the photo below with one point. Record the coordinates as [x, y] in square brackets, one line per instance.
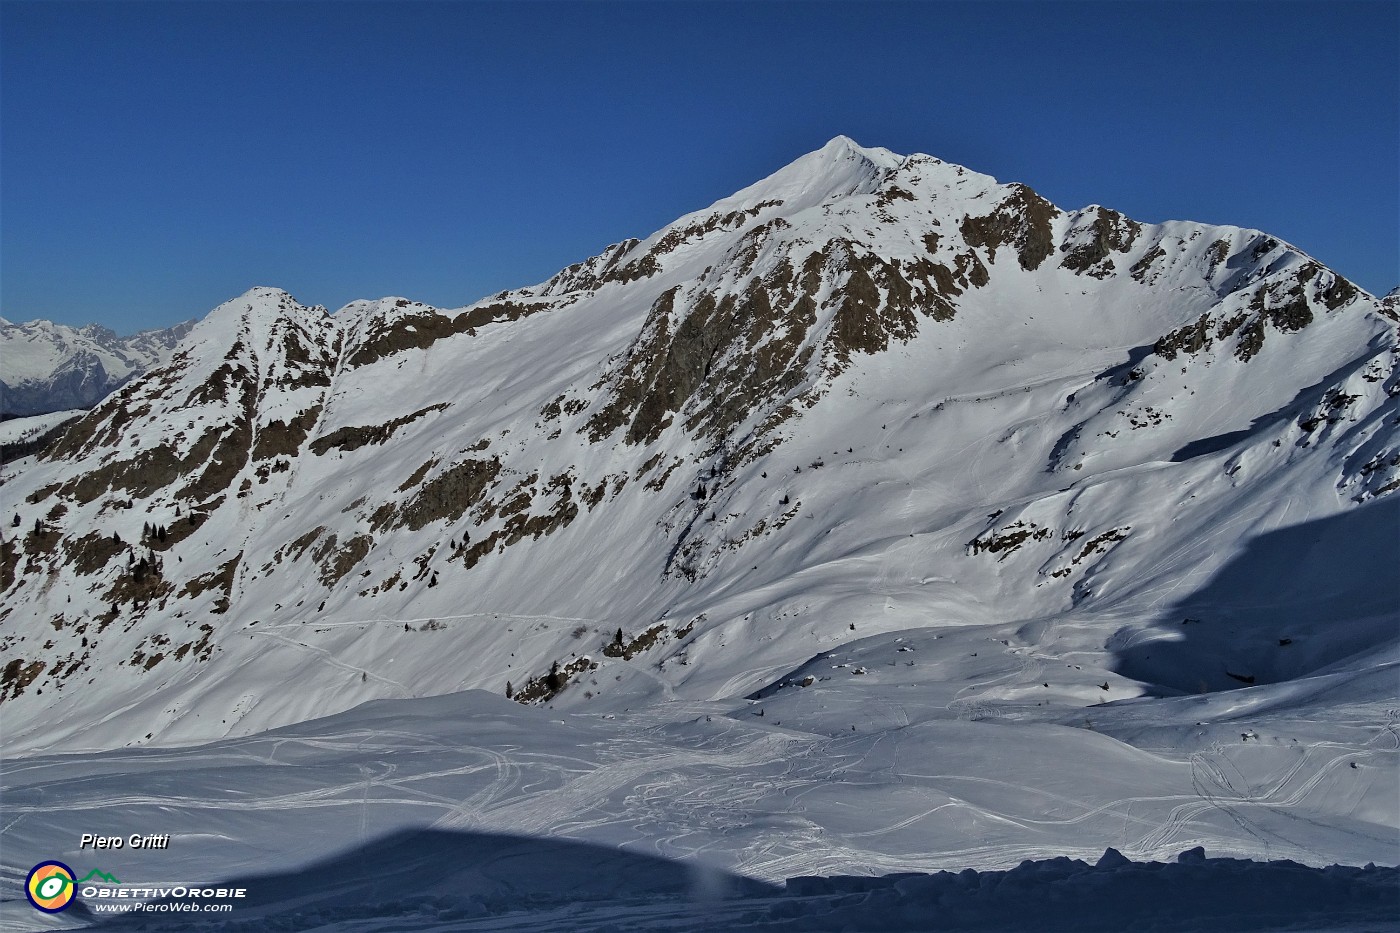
[22, 430]
[469, 812]
[879, 487]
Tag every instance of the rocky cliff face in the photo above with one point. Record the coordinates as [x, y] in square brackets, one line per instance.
[870, 391]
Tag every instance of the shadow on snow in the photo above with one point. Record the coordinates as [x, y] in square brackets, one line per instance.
[432, 880]
[1295, 601]
[443, 875]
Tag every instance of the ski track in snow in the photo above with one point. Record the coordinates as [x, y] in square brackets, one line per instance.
[680, 781]
[327, 658]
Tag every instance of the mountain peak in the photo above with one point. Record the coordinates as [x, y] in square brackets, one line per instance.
[266, 296]
[670, 432]
[258, 303]
[840, 167]
[842, 145]
[845, 148]
[253, 319]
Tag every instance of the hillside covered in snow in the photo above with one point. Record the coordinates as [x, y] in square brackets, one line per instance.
[878, 487]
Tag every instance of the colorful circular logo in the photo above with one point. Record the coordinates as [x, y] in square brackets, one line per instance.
[50, 886]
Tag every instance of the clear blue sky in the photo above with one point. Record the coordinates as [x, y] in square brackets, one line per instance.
[159, 158]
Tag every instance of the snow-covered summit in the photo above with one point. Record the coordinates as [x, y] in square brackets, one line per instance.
[877, 428]
[251, 318]
[840, 168]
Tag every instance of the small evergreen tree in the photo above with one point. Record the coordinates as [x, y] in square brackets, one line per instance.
[15, 523]
[510, 691]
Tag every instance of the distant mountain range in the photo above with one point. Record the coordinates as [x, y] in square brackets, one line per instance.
[868, 394]
[47, 367]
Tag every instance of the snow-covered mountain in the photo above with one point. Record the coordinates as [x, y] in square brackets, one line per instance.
[876, 445]
[47, 367]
